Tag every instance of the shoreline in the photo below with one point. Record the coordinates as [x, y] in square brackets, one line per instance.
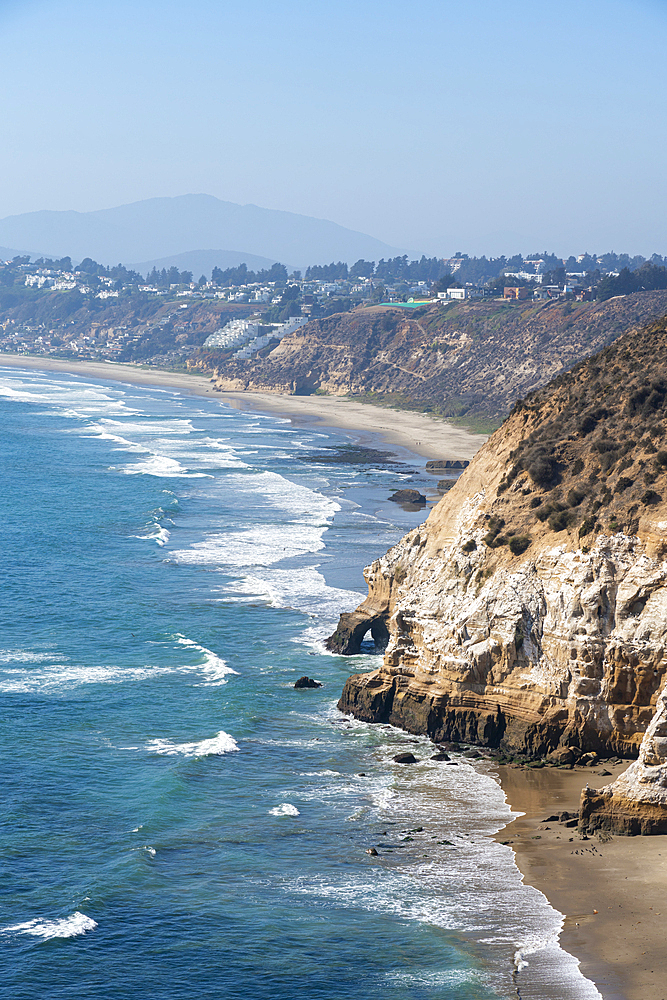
[611, 893]
[620, 948]
[417, 433]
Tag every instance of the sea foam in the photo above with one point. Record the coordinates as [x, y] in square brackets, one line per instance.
[57, 677]
[163, 467]
[285, 809]
[214, 667]
[217, 745]
[67, 927]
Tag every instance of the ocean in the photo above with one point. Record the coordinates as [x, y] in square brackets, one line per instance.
[178, 821]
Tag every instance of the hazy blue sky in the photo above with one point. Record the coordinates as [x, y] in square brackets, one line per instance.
[437, 126]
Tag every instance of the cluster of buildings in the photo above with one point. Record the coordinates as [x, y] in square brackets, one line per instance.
[261, 303]
[250, 335]
[64, 281]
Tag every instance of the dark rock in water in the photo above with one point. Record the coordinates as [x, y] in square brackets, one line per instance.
[472, 753]
[307, 682]
[352, 454]
[440, 756]
[445, 484]
[447, 463]
[352, 627]
[408, 496]
[373, 853]
[405, 758]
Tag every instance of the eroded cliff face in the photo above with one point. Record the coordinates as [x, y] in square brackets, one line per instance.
[530, 611]
[469, 357]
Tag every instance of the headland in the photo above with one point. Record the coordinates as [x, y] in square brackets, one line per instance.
[624, 879]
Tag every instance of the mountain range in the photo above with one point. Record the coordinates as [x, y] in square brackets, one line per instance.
[160, 229]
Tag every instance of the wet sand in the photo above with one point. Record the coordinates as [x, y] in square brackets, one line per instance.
[417, 432]
[622, 947]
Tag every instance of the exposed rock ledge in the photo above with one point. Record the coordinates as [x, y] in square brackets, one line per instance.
[559, 640]
[564, 650]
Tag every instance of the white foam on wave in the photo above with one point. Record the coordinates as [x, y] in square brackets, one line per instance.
[124, 444]
[304, 589]
[298, 502]
[163, 467]
[320, 774]
[159, 534]
[285, 809]
[214, 667]
[215, 746]
[155, 532]
[208, 452]
[150, 428]
[306, 514]
[55, 677]
[67, 927]
[172, 446]
[71, 398]
[262, 545]
[25, 656]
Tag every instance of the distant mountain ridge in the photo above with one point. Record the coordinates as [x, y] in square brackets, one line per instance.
[165, 227]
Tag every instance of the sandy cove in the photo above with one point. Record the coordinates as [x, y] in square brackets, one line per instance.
[613, 893]
[622, 946]
[416, 432]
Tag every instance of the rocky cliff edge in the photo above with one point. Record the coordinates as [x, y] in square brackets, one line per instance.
[529, 612]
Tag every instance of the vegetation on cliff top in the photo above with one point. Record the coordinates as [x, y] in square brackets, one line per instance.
[590, 454]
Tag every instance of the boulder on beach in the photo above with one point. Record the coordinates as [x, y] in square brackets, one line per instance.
[405, 758]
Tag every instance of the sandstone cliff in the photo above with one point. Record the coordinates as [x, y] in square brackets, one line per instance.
[468, 358]
[529, 612]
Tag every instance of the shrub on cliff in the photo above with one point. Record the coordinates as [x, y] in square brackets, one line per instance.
[519, 544]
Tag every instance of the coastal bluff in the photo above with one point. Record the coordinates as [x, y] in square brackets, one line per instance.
[529, 612]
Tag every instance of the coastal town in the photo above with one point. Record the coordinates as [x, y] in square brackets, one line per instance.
[90, 311]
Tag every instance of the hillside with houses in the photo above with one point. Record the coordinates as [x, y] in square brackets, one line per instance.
[461, 337]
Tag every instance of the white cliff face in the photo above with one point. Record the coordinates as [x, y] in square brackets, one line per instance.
[564, 631]
[555, 647]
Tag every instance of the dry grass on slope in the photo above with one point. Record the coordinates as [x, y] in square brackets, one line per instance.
[589, 453]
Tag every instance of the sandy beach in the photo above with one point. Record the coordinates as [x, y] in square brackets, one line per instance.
[613, 893]
[417, 432]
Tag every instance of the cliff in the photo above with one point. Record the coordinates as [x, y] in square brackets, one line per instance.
[529, 612]
[471, 358]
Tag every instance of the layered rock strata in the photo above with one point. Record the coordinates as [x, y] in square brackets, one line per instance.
[473, 357]
[529, 612]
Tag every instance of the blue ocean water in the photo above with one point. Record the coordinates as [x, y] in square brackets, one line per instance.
[178, 821]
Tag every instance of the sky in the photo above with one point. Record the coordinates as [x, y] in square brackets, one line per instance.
[482, 127]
